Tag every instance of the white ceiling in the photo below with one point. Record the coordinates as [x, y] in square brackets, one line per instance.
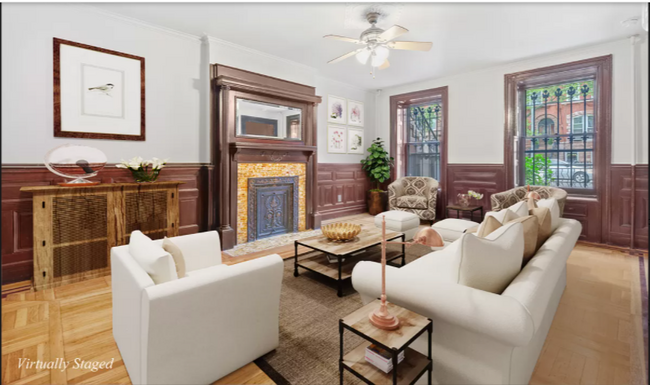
[465, 36]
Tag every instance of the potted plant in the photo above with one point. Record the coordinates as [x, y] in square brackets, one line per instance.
[377, 167]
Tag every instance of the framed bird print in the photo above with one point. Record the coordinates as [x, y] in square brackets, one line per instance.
[356, 114]
[98, 93]
[336, 140]
[355, 141]
[336, 110]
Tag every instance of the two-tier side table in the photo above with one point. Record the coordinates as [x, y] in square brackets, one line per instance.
[412, 326]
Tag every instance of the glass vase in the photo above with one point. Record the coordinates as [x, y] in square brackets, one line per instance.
[143, 175]
[463, 200]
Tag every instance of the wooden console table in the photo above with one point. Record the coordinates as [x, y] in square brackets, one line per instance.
[76, 227]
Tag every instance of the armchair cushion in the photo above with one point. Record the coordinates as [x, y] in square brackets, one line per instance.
[152, 258]
[200, 250]
[414, 194]
[412, 202]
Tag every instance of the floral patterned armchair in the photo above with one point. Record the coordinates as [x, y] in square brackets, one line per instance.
[415, 194]
[508, 198]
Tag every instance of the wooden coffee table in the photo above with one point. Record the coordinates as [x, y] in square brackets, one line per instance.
[347, 254]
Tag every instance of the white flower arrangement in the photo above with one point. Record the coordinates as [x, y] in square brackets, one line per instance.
[475, 195]
[137, 163]
[140, 168]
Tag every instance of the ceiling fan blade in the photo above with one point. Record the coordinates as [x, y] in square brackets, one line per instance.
[411, 45]
[392, 32]
[343, 57]
[343, 38]
[385, 65]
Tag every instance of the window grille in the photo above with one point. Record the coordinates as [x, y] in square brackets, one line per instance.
[557, 142]
[423, 140]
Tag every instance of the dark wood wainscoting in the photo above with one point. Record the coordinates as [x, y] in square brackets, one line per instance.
[342, 190]
[17, 207]
[620, 209]
[485, 179]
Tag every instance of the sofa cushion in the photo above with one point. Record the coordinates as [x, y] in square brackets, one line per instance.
[439, 265]
[551, 204]
[153, 259]
[544, 231]
[177, 254]
[490, 263]
[412, 202]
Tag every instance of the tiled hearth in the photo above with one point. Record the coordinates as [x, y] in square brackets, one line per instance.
[266, 170]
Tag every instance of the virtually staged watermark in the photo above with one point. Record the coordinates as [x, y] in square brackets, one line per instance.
[62, 364]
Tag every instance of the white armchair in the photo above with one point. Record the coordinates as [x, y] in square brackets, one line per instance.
[199, 328]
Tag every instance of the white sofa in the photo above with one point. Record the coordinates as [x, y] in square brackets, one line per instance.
[479, 337]
[199, 328]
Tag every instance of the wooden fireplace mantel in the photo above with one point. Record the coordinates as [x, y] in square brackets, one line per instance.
[229, 149]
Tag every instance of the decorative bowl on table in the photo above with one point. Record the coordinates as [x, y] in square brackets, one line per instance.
[341, 231]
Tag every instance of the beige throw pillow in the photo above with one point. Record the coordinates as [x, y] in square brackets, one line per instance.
[551, 204]
[177, 254]
[488, 226]
[543, 216]
[531, 230]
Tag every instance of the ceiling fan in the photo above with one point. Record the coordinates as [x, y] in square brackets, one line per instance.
[377, 43]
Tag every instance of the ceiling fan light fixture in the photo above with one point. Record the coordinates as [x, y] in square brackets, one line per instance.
[362, 56]
[380, 55]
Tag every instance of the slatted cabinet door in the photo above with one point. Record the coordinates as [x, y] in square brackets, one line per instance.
[75, 227]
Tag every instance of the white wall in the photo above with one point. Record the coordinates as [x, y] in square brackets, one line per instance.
[324, 87]
[476, 109]
[175, 116]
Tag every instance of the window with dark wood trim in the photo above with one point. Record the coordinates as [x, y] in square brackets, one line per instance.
[418, 135]
[558, 124]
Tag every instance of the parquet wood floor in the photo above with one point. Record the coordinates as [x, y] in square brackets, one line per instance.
[596, 336]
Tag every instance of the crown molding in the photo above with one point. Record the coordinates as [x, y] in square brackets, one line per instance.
[226, 43]
[144, 24]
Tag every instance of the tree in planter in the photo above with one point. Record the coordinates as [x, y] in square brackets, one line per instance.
[377, 164]
[541, 167]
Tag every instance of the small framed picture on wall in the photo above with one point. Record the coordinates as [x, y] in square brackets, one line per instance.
[336, 110]
[336, 140]
[355, 141]
[356, 113]
[98, 93]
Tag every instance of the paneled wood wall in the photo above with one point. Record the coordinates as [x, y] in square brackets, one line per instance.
[488, 179]
[346, 180]
[485, 179]
[621, 213]
[342, 189]
[17, 222]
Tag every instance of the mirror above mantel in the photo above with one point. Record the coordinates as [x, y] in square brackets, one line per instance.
[262, 120]
[266, 122]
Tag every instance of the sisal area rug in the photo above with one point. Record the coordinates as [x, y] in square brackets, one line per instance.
[309, 336]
